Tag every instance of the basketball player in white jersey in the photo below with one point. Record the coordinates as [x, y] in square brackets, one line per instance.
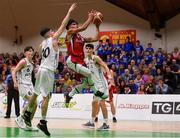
[21, 76]
[45, 76]
[112, 89]
[97, 68]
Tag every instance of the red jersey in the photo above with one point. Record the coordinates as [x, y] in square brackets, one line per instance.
[75, 48]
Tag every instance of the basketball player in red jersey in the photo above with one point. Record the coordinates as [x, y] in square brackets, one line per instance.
[75, 45]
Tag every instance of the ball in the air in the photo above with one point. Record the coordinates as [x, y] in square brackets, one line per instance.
[98, 19]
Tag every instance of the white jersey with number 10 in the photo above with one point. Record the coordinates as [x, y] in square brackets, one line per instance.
[50, 57]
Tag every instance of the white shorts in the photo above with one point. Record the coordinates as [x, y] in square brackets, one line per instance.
[44, 82]
[25, 90]
[104, 90]
[78, 68]
[102, 86]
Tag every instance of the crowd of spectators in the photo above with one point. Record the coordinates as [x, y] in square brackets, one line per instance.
[137, 69]
[140, 70]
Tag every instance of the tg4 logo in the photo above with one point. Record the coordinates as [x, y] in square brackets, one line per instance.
[166, 108]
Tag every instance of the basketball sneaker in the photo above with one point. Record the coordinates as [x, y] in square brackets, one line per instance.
[104, 127]
[27, 118]
[42, 125]
[20, 122]
[89, 125]
[67, 100]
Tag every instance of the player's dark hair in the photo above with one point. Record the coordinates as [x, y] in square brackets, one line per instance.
[44, 31]
[90, 46]
[70, 22]
[28, 48]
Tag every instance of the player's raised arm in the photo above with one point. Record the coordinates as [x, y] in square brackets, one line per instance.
[64, 22]
[84, 25]
[95, 38]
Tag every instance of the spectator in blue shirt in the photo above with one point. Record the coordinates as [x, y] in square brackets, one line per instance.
[159, 60]
[149, 48]
[138, 49]
[109, 51]
[120, 69]
[133, 86]
[128, 47]
[148, 58]
[124, 59]
[161, 87]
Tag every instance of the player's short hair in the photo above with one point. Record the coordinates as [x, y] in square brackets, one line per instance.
[90, 46]
[70, 22]
[44, 31]
[28, 48]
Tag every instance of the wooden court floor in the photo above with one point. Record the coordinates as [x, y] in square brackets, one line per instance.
[73, 128]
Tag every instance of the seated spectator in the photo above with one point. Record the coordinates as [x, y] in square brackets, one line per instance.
[145, 76]
[120, 69]
[138, 80]
[133, 86]
[175, 53]
[117, 61]
[141, 89]
[133, 64]
[131, 71]
[65, 81]
[161, 87]
[135, 73]
[158, 76]
[169, 78]
[152, 69]
[126, 76]
[121, 87]
[142, 66]
[127, 90]
[150, 86]
[175, 68]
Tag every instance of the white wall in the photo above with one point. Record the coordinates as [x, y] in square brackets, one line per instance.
[173, 33]
[114, 19]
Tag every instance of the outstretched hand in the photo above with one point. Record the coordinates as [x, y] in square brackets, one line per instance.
[91, 14]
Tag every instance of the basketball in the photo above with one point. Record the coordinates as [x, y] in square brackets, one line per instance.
[98, 19]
